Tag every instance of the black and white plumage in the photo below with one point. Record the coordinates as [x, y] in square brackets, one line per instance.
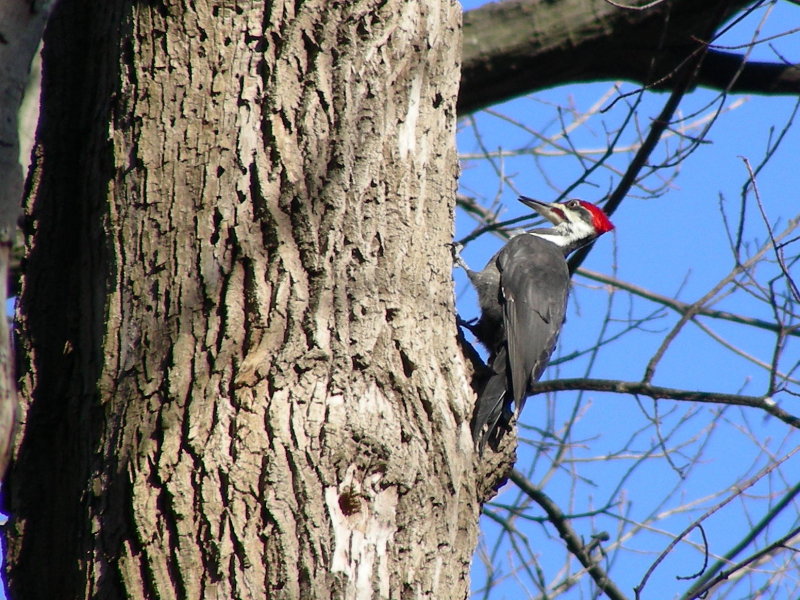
[522, 293]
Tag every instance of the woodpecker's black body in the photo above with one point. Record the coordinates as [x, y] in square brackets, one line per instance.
[522, 293]
[533, 281]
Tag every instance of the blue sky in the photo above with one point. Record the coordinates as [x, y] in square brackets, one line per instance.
[675, 245]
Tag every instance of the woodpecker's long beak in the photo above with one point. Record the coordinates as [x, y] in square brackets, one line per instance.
[551, 211]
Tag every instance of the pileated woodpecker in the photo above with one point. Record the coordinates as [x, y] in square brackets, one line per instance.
[522, 293]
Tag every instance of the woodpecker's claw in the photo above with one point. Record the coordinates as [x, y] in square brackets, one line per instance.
[466, 324]
[456, 249]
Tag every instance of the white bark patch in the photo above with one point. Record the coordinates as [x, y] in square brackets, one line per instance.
[360, 539]
[407, 130]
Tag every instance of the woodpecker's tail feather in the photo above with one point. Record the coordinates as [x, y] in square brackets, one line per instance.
[493, 413]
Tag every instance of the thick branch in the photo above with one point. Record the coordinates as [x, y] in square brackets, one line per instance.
[518, 46]
[755, 77]
[766, 404]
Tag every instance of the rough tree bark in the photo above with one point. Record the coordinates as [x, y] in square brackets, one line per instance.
[242, 378]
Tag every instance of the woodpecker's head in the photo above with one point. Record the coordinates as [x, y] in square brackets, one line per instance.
[576, 222]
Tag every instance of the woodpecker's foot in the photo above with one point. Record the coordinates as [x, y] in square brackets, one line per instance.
[456, 249]
[466, 324]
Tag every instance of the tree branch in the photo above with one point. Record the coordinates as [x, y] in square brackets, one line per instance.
[766, 404]
[703, 584]
[574, 543]
[683, 307]
[780, 544]
[737, 491]
[683, 76]
[753, 77]
[520, 46]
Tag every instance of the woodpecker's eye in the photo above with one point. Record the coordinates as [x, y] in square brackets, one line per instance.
[572, 204]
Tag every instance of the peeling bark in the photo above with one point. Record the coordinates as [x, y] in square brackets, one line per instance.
[242, 374]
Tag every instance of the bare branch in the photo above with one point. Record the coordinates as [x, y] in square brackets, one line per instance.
[683, 307]
[754, 77]
[766, 403]
[778, 250]
[697, 306]
[705, 556]
[777, 545]
[574, 543]
[737, 491]
[697, 589]
[504, 56]
[772, 367]
[629, 7]
[685, 79]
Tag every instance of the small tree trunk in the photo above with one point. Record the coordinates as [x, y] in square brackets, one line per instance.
[242, 375]
[21, 26]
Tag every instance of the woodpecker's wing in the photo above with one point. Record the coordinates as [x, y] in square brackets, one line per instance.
[534, 282]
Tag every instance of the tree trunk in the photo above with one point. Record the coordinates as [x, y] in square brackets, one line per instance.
[242, 378]
[21, 26]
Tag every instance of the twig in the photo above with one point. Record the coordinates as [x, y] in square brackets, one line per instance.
[775, 247]
[627, 7]
[705, 557]
[697, 588]
[683, 307]
[770, 368]
[781, 543]
[738, 490]
[694, 308]
[574, 543]
[657, 128]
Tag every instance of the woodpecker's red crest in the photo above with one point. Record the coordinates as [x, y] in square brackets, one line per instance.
[599, 218]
